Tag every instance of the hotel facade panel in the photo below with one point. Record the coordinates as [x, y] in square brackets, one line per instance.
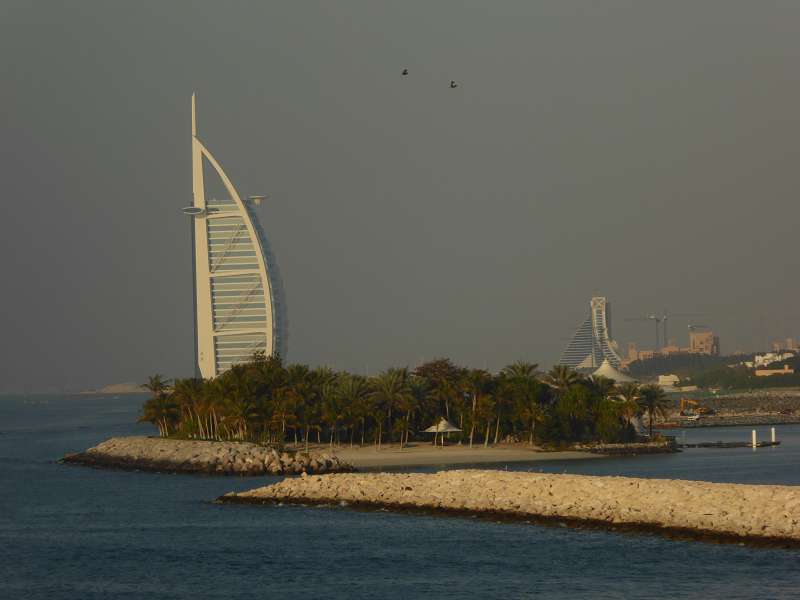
[239, 306]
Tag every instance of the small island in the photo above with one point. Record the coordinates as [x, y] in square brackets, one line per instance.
[264, 401]
[264, 417]
[114, 389]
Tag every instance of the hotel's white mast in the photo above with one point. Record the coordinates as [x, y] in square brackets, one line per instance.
[235, 308]
[203, 315]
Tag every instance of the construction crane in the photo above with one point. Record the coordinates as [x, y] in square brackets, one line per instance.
[662, 319]
[665, 316]
[657, 321]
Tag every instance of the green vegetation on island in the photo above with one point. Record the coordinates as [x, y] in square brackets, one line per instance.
[741, 378]
[681, 364]
[268, 402]
[722, 372]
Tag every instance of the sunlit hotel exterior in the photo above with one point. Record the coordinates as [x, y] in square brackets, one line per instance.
[238, 298]
[592, 343]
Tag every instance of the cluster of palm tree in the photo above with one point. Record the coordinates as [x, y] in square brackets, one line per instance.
[268, 402]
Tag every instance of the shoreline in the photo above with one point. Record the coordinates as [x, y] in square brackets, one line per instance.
[170, 455]
[722, 512]
[203, 457]
[369, 458]
[422, 454]
[496, 516]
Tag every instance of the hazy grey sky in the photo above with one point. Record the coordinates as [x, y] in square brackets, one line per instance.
[646, 151]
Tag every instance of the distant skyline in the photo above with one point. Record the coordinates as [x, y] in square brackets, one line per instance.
[642, 152]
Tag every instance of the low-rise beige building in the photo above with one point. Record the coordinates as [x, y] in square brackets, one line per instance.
[786, 370]
[700, 342]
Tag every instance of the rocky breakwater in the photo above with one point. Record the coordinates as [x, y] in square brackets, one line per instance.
[212, 458]
[665, 446]
[765, 513]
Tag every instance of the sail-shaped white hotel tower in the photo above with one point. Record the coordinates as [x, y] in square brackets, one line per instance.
[592, 343]
[239, 306]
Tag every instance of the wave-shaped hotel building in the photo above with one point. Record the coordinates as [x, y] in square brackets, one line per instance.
[238, 296]
[592, 342]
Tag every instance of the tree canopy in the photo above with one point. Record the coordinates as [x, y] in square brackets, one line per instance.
[268, 402]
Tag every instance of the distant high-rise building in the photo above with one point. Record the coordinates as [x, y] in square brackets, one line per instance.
[239, 307]
[787, 344]
[703, 342]
[592, 342]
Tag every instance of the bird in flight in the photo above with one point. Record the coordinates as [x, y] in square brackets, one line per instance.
[405, 72]
[453, 84]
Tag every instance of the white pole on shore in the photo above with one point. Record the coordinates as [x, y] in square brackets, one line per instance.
[754, 438]
[773, 435]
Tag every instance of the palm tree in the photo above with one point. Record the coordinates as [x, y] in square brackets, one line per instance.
[300, 382]
[239, 401]
[572, 409]
[214, 406]
[322, 380]
[188, 394]
[485, 413]
[654, 402]
[443, 378]
[352, 392]
[270, 388]
[414, 401]
[503, 400]
[628, 394]
[607, 421]
[476, 384]
[283, 409]
[162, 412]
[561, 378]
[604, 387]
[519, 382]
[156, 385]
[629, 391]
[529, 394]
[333, 411]
[519, 369]
[601, 389]
[159, 409]
[391, 390]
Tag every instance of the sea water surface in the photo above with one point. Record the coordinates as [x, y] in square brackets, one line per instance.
[74, 532]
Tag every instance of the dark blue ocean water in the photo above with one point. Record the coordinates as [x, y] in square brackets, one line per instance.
[73, 532]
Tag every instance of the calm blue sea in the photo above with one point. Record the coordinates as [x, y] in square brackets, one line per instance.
[73, 532]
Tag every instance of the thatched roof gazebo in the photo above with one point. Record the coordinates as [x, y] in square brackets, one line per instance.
[443, 426]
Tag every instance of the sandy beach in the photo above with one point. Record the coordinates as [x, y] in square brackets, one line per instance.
[423, 455]
[225, 458]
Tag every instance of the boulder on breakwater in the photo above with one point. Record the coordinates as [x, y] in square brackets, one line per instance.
[209, 457]
[767, 513]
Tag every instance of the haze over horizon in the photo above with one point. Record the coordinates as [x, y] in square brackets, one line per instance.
[641, 152]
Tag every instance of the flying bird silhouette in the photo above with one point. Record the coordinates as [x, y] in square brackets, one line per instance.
[405, 72]
[453, 84]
